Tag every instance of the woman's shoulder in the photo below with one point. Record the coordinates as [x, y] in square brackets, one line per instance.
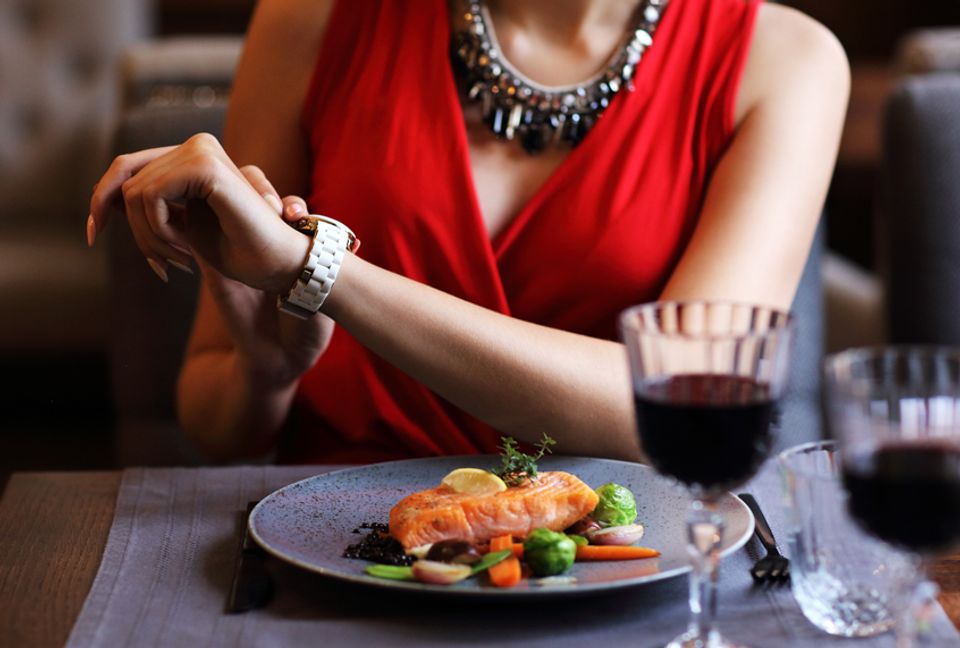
[294, 23]
[283, 41]
[792, 55]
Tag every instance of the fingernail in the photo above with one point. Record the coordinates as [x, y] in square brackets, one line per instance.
[91, 230]
[180, 248]
[179, 266]
[274, 202]
[159, 270]
[295, 209]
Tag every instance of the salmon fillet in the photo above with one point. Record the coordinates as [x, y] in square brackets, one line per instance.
[554, 501]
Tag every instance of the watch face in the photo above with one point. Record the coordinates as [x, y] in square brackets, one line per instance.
[309, 224]
[306, 225]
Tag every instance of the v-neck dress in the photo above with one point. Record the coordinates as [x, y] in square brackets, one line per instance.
[389, 156]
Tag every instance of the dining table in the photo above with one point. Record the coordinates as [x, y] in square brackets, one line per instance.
[72, 570]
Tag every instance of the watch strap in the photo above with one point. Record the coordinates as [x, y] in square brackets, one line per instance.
[313, 286]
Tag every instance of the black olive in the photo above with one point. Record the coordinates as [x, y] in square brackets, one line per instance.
[583, 526]
[454, 551]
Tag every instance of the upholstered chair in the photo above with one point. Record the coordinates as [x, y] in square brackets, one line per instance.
[59, 63]
[919, 193]
[172, 89]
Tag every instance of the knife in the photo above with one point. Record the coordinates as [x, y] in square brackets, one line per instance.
[252, 586]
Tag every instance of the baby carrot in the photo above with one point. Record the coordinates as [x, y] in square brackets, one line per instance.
[507, 572]
[614, 552]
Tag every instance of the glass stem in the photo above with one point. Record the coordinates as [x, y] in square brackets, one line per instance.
[704, 535]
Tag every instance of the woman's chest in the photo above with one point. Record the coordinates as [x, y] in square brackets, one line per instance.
[505, 178]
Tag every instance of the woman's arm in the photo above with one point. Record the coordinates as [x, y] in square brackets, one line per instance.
[235, 386]
[765, 198]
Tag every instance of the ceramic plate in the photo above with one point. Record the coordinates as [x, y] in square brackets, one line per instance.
[311, 522]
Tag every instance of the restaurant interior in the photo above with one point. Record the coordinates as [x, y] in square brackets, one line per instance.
[91, 343]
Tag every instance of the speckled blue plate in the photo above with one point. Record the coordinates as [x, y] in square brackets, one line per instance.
[311, 522]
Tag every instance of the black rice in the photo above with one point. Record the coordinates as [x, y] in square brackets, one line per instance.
[378, 546]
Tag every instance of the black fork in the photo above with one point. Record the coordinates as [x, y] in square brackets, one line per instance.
[774, 567]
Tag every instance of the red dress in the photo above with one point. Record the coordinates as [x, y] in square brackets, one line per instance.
[389, 157]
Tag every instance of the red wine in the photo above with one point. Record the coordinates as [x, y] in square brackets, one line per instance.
[708, 431]
[907, 494]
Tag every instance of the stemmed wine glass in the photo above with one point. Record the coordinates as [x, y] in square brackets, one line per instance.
[706, 378]
[896, 414]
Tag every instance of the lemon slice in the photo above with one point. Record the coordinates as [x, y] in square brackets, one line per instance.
[473, 481]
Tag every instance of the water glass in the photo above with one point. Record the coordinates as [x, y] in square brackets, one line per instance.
[846, 582]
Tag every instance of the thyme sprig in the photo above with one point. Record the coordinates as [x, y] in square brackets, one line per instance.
[517, 466]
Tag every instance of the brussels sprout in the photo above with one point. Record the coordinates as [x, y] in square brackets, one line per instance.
[549, 553]
[616, 506]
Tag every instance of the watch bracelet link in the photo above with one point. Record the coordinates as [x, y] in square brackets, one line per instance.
[330, 244]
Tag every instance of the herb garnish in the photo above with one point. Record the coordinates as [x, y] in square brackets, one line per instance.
[517, 467]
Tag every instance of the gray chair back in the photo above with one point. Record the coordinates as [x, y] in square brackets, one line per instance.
[919, 210]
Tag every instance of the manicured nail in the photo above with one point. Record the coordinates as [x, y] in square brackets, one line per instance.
[179, 266]
[159, 270]
[180, 248]
[274, 202]
[91, 230]
[296, 209]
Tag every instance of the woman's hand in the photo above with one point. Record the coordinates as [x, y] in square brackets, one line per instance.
[273, 347]
[192, 198]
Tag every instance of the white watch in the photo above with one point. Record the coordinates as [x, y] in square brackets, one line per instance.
[331, 241]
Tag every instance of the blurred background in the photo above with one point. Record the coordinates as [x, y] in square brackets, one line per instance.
[80, 81]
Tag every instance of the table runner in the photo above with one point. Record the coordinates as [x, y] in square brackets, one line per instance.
[169, 560]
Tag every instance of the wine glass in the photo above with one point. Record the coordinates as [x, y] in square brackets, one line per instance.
[706, 378]
[896, 413]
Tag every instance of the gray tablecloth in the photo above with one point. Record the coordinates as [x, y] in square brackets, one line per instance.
[169, 560]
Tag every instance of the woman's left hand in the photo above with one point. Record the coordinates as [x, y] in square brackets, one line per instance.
[192, 197]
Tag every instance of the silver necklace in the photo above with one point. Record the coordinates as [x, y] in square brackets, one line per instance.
[515, 107]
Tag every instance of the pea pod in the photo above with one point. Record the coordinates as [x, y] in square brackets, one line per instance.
[490, 559]
[392, 572]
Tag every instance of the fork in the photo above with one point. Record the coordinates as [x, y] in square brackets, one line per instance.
[774, 567]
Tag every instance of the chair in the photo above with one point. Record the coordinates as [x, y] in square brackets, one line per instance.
[919, 197]
[172, 90]
[58, 65]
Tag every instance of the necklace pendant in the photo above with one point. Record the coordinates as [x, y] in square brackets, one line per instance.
[514, 107]
[533, 140]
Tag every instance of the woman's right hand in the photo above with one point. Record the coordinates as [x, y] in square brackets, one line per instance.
[191, 201]
[193, 197]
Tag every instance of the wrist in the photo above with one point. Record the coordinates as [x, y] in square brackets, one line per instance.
[340, 294]
[296, 251]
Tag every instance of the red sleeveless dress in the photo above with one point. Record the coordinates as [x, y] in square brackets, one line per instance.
[389, 157]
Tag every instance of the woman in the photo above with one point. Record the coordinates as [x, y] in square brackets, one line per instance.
[485, 298]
